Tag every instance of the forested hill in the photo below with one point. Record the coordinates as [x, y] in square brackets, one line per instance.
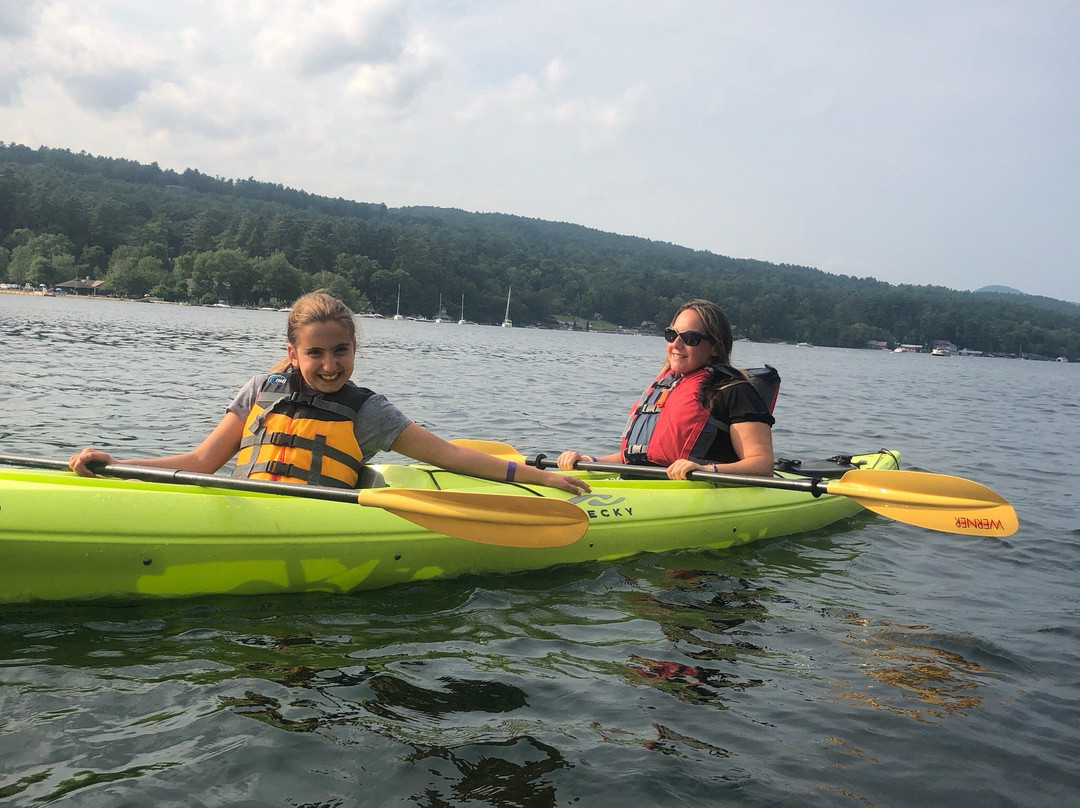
[148, 231]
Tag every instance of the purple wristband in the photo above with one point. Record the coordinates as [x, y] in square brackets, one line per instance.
[511, 470]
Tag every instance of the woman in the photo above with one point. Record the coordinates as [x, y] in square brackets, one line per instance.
[700, 414]
[306, 422]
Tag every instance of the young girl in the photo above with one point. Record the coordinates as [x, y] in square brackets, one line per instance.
[306, 422]
[700, 414]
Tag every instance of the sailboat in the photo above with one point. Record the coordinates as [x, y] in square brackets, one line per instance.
[397, 314]
[441, 316]
[462, 321]
[507, 323]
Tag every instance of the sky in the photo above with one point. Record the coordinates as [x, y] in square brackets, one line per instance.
[914, 142]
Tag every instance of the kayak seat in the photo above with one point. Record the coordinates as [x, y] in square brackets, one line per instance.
[370, 478]
[393, 475]
[829, 468]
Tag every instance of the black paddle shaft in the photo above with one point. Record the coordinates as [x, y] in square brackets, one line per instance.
[163, 475]
[815, 487]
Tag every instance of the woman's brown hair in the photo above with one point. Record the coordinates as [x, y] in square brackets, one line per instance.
[718, 327]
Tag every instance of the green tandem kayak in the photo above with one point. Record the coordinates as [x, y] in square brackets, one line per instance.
[64, 537]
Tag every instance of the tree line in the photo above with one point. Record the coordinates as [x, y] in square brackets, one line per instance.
[186, 236]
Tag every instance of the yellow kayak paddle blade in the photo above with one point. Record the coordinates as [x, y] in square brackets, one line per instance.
[933, 501]
[491, 447]
[499, 519]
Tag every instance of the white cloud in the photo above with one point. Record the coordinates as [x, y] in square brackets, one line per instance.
[108, 87]
[555, 72]
[211, 110]
[11, 79]
[97, 67]
[312, 39]
[525, 102]
[392, 86]
[16, 18]
[16, 27]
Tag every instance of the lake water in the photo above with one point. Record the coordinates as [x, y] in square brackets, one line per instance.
[868, 664]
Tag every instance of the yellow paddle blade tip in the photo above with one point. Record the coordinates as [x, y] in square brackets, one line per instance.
[934, 501]
[995, 521]
[491, 447]
[999, 521]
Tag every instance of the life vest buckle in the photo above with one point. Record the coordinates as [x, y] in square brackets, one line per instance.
[279, 469]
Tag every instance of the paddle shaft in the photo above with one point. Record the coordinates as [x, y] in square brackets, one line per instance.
[152, 474]
[815, 487]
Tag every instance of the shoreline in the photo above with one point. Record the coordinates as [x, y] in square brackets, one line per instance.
[68, 296]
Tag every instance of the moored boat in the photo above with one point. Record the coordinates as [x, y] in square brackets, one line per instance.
[442, 316]
[64, 537]
[397, 311]
[507, 322]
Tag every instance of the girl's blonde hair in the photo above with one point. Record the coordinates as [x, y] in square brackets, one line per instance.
[316, 307]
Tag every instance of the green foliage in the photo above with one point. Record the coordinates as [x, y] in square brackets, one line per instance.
[133, 273]
[277, 282]
[39, 258]
[190, 237]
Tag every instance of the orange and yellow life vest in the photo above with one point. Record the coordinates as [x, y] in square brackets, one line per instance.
[302, 437]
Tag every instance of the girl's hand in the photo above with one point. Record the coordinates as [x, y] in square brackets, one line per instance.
[78, 462]
[575, 485]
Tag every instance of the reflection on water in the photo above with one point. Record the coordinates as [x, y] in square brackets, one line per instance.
[499, 770]
[695, 684]
[935, 682]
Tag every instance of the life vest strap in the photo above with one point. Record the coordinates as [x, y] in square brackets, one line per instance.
[278, 468]
[284, 439]
[317, 446]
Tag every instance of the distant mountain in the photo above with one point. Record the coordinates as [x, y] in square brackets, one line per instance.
[1001, 290]
[1049, 303]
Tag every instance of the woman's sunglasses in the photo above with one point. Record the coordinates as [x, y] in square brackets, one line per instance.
[690, 338]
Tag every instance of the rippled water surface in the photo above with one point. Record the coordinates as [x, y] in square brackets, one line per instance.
[868, 664]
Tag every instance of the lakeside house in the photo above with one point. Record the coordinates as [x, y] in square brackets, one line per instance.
[81, 286]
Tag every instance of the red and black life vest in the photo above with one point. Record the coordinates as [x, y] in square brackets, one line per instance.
[302, 437]
[669, 422]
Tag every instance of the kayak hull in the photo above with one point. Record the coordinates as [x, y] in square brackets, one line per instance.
[64, 537]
